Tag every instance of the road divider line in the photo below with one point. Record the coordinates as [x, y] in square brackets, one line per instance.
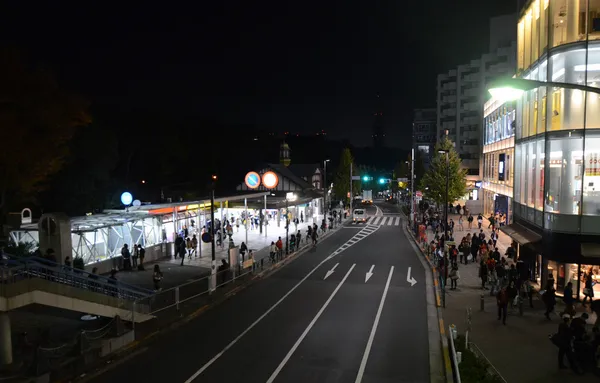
[365, 358]
[310, 326]
[233, 342]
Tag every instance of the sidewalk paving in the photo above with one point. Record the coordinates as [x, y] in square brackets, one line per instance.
[521, 350]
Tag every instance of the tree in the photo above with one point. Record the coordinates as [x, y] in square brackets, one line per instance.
[341, 183]
[86, 181]
[433, 183]
[37, 120]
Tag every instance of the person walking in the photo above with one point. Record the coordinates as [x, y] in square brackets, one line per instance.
[568, 300]
[502, 302]
[454, 276]
[142, 256]
[272, 251]
[588, 291]
[157, 277]
[134, 257]
[549, 298]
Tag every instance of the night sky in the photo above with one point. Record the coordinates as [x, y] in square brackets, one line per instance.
[279, 65]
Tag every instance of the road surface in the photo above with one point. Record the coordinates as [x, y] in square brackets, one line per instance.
[322, 318]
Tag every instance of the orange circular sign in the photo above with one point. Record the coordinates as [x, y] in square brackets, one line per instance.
[252, 180]
[270, 180]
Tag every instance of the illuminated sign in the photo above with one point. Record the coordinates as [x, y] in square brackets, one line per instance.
[501, 163]
[478, 184]
[126, 198]
[252, 180]
[270, 180]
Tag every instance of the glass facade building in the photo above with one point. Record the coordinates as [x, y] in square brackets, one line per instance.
[498, 157]
[557, 141]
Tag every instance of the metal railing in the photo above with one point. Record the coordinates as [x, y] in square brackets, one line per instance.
[16, 270]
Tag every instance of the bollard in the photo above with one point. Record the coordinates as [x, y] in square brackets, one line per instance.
[482, 303]
[520, 307]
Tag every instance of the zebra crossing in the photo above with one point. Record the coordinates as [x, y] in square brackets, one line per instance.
[386, 220]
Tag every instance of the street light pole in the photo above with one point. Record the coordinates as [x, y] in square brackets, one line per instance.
[447, 187]
[287, 225]
[325, 188]
[412, 188]
[213, 270]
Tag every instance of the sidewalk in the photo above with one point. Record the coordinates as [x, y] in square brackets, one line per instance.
[199, 267]
[520, 351]
[256, 242]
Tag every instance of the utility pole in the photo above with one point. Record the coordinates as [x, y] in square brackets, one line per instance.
[213, 269]
[412, 187]
[351, 195]
[325, 188]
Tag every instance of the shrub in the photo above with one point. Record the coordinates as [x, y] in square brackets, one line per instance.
[472, 368]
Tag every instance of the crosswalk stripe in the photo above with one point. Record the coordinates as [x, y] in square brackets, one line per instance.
[375, 221]
[397, 221]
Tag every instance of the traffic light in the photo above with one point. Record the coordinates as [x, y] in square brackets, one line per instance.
[382, 180]
[365, 178]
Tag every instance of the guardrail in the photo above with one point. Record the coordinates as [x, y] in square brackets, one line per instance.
[16, 270]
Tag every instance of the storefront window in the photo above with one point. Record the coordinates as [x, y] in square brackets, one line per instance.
[591, 180]
[543, 23]
[539, 169]
[565, 16]
[565, 106]
[593, 79]
[520, 44]
[594, 20]
[531, 171]
[564, 174]
[519, 172]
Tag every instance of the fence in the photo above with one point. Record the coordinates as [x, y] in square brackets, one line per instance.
[470, 347]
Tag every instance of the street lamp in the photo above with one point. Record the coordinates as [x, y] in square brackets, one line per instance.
[510, 89]
[325, 186]
[213, 270]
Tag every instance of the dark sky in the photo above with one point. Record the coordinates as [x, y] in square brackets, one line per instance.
[300, 66]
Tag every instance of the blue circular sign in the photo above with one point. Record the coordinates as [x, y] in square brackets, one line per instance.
[126, 198]
[252, 180]
[206, 238]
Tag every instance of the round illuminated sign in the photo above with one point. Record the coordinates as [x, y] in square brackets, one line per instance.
[252, 180]
[270, 180]
[126, 198]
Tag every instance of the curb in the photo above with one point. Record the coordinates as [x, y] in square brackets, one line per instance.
[131, 348]
[442, 327]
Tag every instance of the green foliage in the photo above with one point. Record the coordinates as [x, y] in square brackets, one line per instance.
[38, 119]
[341, 183]
[472, 368]
[435, 177]
[20, 249]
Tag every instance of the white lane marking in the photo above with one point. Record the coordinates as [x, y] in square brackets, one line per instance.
[329, 272]
[310, 326]
[233, 342]
[363, 363]
[410, 279]
[369, 274]
[364, 233]
[379, 211]
[397, 221]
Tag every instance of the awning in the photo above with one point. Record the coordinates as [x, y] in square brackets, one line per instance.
[590, 250]
[521, 234]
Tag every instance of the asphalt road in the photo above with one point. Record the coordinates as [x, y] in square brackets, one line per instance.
[303, 325]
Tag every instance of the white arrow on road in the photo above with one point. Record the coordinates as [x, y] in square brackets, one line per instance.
[369, 274]
[410, 279]
[329, 272]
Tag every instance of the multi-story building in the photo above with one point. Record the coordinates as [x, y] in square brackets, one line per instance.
[424, 131]
[557, 144]
[462, 91]
[498, 157]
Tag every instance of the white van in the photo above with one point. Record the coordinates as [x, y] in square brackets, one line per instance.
[359, 215]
